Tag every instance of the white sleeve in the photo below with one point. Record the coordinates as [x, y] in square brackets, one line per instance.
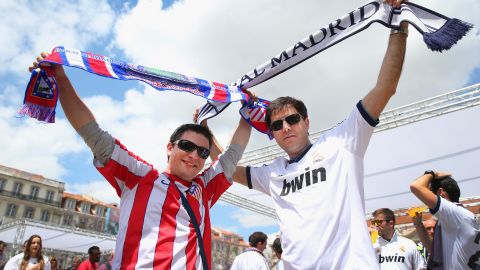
[258, 178]
[355, 131]
[13, 263]
[450, 215]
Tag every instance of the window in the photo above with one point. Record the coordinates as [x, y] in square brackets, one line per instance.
[100, 211]
[2, 184]
[49, 197]
[67, 219]
[34, 192]
[17, 189]
[11, 210]
[45, 216]
[82, 223]
[29, 212]
[85, 208]
[70, 204]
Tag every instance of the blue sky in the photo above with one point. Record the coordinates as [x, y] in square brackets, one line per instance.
[212, 39]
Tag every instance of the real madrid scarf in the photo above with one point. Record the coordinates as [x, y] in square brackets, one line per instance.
[439, 33]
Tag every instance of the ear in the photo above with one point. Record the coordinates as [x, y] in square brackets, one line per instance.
[169, 148]
[307, 123]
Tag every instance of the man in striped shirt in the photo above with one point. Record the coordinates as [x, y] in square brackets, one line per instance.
[155, 229]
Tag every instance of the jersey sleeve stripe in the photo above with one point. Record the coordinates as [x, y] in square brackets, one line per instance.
[249, 177]
[372, 122]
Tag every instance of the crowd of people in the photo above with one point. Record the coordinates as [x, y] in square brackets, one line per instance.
[32, 257]
[165, 214]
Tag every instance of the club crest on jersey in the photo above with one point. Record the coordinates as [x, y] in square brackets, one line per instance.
[309, 177]
[195, 191]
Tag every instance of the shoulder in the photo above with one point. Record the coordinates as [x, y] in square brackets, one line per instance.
[407, 241]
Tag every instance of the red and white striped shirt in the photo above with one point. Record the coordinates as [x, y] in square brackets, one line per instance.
[155, 230]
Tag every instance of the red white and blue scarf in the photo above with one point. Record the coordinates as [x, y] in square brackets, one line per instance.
[439, 33]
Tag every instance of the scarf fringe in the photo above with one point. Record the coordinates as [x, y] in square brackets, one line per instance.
[447, 36]
[41, 113]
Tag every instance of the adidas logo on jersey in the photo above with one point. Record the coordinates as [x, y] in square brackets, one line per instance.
[395, 258]
[310, 176]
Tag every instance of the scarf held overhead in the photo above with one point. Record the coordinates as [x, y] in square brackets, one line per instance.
[439, 33]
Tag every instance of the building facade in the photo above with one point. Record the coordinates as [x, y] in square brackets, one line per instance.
[31, 196]
[225, 247]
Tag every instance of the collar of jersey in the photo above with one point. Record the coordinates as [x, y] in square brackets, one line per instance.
[299, 157]
[175, 178]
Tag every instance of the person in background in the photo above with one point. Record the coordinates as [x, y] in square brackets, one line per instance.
[53, 263]
[252, 258]
[277, 248]
[76, 260]
[456, 236]
[93, 258]
[394, 251]
[424, 231]
[3, 257]
[31, 258]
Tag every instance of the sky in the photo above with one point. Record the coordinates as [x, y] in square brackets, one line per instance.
[212, 39]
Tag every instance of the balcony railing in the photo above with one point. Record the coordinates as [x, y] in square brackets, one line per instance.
[20, 196]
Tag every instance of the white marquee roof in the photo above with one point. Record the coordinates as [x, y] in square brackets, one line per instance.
[60, 238]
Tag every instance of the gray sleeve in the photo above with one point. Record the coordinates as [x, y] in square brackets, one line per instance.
[229, 159]
[100, 142]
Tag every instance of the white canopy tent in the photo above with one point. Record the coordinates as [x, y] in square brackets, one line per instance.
[55, 237]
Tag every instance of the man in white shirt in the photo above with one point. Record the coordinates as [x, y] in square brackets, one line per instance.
[318, 189]
[457, 233]
[393, 251]
[252, 258]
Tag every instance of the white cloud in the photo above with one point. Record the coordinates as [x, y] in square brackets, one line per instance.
[221, 40]
[29, 145]
[100, 190]
[248, 219]
[30, 27]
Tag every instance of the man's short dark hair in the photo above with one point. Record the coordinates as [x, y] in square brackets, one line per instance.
[177, 134]
[387, 213]
[257, 237]
[282, 103]
[449, 185]
[92, 248]
[277, 246]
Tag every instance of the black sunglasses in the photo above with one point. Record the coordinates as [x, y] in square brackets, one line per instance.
[291, 120]
[189, 147]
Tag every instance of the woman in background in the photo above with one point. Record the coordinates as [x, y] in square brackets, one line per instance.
[31, 258]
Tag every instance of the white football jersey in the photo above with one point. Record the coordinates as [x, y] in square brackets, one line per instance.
[399, 253]
[460, 235]
[319, 199]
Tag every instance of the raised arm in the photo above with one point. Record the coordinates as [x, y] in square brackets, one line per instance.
[77, 113]
[238, 143]
[376, 100]
[422, 232]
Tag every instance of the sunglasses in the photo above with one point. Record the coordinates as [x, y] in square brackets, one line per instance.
[378, 222]
[291, 120]
[189, 147]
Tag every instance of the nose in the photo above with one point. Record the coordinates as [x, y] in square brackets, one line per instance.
[286, 126]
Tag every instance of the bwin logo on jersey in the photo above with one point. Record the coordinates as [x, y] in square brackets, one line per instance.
[310, 176]
[394, 258]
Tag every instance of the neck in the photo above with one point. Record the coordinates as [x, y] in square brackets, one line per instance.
[389, 236]
[298, 153]
[175, 177]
